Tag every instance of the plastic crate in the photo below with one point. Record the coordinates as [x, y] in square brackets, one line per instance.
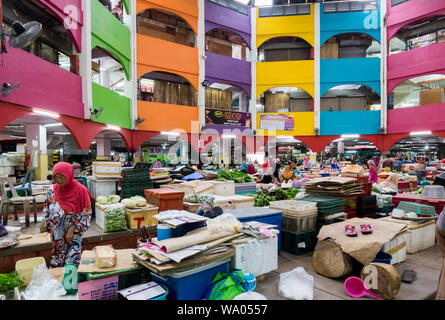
[127, 277]
[299, 224]
[131, 192]
[439, 204]
[419, 209]
[299, 243]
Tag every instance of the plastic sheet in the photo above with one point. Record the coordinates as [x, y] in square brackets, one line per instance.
[296, 285]
[43, 286]
[250, 296]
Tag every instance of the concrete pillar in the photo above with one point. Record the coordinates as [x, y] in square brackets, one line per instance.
[36, 141]
[202, 62]
[253, 51]
[317, 98]
[103, 146]
[104, 78]
[341, 147]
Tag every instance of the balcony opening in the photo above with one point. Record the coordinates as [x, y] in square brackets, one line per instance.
[163, 87]
[166, 26]
[285, 99]
[226, 97]
[333, 6]
[54, 43]
[227, 43]
[278, 8]
[107, 71]
[241, 6]
[285, 49]
[350, 98]
[116, 7]
[350, 45]
[419, 34]
[418, 91]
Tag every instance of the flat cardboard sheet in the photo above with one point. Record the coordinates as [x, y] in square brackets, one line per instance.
[124, 261]
[32, 239]
[363, 248]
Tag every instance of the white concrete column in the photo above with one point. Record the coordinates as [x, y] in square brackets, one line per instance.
[103, 146]
[85, 59]
[36, 132]
[202, 62]
[131, 86]
[341, 147]
[317, 46]
[253, 51]
[383, 68]
[104, 78]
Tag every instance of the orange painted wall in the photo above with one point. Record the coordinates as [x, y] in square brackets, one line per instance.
[186, 9]
[160, 55]
[166, 117]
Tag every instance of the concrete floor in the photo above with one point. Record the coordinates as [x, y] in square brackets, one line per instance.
[427, 264]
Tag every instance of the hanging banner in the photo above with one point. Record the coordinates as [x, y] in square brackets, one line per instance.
[228, 118]
[277, 122]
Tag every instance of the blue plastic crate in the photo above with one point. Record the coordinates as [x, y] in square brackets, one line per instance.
[191, 284]
[264, 215]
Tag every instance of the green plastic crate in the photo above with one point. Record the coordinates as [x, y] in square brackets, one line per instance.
[299, 243]
[419, 209]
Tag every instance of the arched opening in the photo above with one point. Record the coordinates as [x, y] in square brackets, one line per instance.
[54, 43]
[109, 145]
[285, 99]
[350, 98]
[167, 149]
[350, 45]
[226, 97]
[285, 49]
[418, 34]
[351, 148]
[107, 71]
[418, 148]
[227, 43]
[290, 149]
[116, 7]
[166, 26]
[166, 87]
[418, 91]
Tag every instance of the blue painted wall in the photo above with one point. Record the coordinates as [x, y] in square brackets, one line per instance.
[349, 122]
[335, 72]
[332, 24]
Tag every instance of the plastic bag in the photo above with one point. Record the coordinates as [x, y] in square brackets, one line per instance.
[226, 222]
[250, 296]
[300, 195]
[296, 285]
[43, 286]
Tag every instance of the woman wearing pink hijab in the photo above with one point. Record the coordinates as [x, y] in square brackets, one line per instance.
[307, 163]
[67, 212]
[373, 172]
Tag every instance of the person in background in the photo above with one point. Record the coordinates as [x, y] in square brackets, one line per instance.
[267, 172]
[250, 168]
[307, 164]
[244, 167]
[376, 160]
[373, 172]
[222, 167]
[388, 163]
[334, 164]
[67, 212]
[440, 236]
[276, 173]
[288, 174]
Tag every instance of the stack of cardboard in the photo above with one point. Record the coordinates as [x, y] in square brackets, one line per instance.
[336, 186]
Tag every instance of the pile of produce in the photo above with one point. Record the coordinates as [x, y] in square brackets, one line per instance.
[237, 176]
[133, 202]
[419, 191]
[108, 200]
[264, 198]
[115, 219]
[200, 198]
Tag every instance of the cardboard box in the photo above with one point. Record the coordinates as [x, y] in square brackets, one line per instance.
[432, 96]
[142, 217]
[107, 169]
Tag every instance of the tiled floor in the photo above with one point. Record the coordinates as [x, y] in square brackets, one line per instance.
[427, 264]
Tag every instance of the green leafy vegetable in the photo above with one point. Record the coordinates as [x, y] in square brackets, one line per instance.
[10, 281]
[237, 177]
[115, 219]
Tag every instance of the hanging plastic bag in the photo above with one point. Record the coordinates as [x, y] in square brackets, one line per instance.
[296, 285]
[43, 286]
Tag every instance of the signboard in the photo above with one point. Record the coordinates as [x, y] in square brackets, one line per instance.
[228, 118]
[277, 122]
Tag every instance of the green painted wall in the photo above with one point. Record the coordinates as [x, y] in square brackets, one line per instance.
[111, 34]
[116, 107]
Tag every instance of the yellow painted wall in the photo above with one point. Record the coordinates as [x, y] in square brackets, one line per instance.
[303, 125]
[285, 74]
[301, 26]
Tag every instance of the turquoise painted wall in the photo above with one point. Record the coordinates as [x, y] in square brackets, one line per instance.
[116, 107]
[109, 33]
[349, 122]
[332, 24]
[335, 72]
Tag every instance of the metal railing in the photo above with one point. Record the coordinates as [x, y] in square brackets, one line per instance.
[396, 2]
[233, 5]
[349, 6]
[285, 10]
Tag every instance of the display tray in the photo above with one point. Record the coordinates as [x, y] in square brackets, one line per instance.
[13, 242]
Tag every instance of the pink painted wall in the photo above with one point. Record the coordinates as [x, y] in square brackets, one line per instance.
[42, 84]
[411, 11]
[423, 118]
[69, 11]
[414, 63]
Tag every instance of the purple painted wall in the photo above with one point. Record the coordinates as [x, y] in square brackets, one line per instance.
[411, 11]
[43, 85]
[70, 14]
[223, 69]
[414, 63]
[217, 16]
[423, 118]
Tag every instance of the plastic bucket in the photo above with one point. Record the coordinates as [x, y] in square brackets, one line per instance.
[164, 232]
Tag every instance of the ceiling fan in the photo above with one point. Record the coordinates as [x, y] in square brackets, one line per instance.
[7, 89]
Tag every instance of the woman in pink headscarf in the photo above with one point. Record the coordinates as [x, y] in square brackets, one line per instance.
[307, 163]
[67, 212]
[373, 172]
